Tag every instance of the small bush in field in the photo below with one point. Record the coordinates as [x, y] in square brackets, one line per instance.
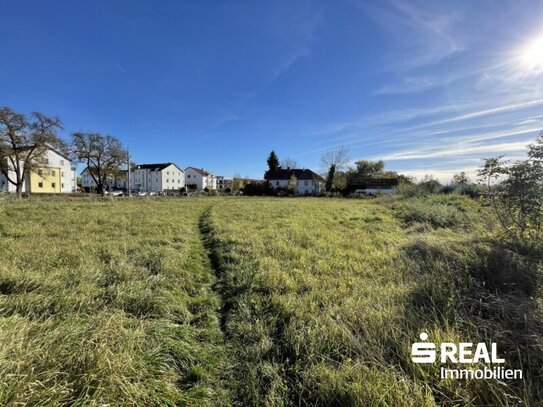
[516, 195]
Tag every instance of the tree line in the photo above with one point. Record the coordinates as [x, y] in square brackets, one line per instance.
[513, 190]
[24, 141]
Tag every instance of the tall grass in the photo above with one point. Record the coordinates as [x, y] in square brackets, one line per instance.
[107, 303]
[325, 297]
[259, 301]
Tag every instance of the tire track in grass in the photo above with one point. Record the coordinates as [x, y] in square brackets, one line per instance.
[234, 282]
[212, 254]
[209, 243]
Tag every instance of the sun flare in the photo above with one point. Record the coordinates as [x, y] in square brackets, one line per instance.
[532, 55]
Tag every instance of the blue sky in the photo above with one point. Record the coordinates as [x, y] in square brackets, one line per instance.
[430, 87]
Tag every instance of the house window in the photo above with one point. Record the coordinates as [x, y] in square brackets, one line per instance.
[62, 173]
[167, 172]
[53, 185]
[40, 184]
[40, 173]
[188, 176]
[276, 182]
[62, 185]
[306, 183]
[61, 162]
[53, 173]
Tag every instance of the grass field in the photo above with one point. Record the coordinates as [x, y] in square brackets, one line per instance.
[258, 301]
[107, 303]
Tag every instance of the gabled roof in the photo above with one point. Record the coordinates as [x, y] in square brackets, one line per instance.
[155, 167]
[47, 147]
[152, 167]
[200, 171]
[300, 174]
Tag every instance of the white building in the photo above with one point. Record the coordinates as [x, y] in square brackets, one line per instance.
[307, 181]
[375, 186]
[118, 182]
[224, 183]
[199, 179]
[54, 174]
[157, 177]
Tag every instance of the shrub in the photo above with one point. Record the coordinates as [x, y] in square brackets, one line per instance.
[516, 194]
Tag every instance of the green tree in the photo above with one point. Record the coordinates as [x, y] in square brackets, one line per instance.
[369, 169]
[516, 194]
[273, 162]
[460, 180]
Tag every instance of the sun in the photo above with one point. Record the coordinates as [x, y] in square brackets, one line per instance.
[532, 55]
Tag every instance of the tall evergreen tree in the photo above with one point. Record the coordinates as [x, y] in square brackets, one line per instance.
[273, 162]
[330, 178]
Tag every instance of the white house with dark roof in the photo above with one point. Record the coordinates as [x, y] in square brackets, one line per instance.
[199, 179]
[112, 182]
[160, 177]
[307, 181]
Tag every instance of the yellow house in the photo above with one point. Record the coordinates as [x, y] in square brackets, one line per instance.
[53, 175]
[45, 180]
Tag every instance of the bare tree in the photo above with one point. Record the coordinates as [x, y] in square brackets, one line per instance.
[237, 184]
[24, 142]
[103, 155]
[289, 163]
[334, 160]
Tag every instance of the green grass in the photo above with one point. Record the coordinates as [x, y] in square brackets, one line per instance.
[324, 298]
[258, 301]
[107, 303]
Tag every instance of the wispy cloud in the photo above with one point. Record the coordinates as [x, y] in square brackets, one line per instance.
[426, 35]
[412, 85]
[459, 150]
[489, 112]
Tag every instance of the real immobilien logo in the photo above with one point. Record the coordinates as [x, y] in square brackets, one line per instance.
[463, 353]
